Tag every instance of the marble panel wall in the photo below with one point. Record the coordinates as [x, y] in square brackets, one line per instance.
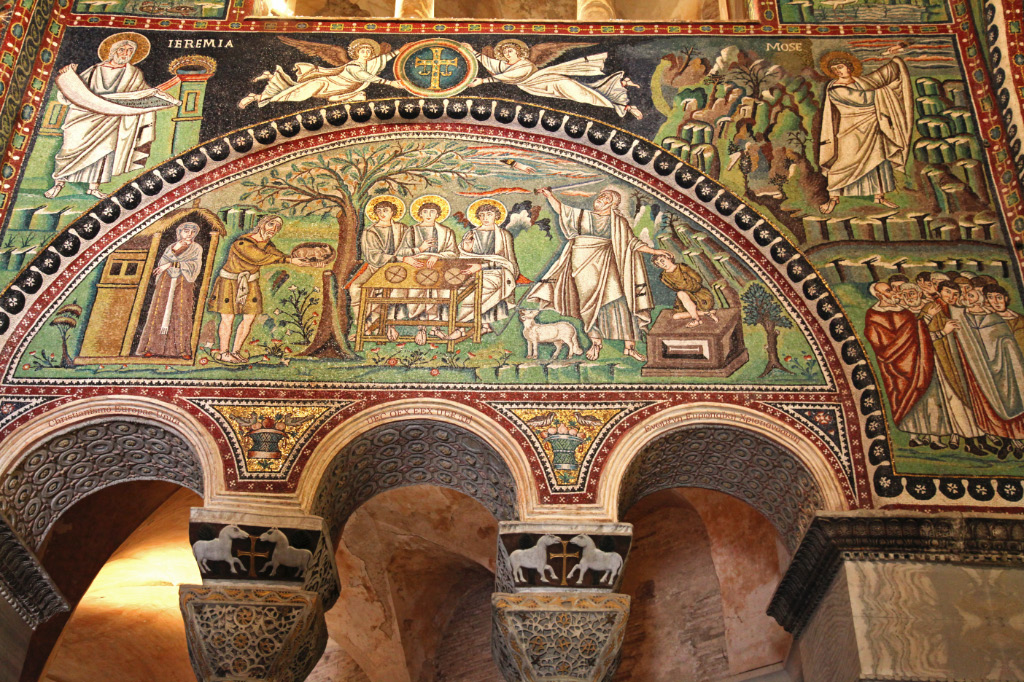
[928, 621]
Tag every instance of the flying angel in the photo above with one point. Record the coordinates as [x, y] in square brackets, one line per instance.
[511, 61]
[354, 68]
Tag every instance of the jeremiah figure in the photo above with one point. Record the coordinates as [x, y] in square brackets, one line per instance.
[98, 146]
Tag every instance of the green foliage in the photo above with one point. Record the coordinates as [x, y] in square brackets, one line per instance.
[298, 311]
[349, 178]
[760, 307]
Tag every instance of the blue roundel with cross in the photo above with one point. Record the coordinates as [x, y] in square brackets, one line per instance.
[435, 67]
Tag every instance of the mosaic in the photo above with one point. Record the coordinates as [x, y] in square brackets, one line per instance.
[820, 228]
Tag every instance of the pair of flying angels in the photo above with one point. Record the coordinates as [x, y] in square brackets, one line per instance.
[511, 61]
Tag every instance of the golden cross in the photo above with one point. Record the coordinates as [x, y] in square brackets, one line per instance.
[435, 65]
[565, 556]
[253, 554]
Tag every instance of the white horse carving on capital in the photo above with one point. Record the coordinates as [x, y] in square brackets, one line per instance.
[219, 549]
[285, 555]
[536, 558]
[594, 559]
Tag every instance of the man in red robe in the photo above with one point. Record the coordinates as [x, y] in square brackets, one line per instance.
[903, 349]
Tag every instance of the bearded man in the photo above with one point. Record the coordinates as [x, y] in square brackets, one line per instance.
[99, 143]
[599, 278]
[903, 348]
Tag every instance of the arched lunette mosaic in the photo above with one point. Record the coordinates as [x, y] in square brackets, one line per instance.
[161, 181]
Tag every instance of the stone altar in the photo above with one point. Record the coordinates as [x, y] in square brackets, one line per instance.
[710, 349]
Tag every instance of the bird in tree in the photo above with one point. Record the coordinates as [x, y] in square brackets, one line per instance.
[761, 308]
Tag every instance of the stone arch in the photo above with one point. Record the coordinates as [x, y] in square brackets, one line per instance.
[736, 451]
[414, 452]
[510, 458]
[48, 471]
[618, 152]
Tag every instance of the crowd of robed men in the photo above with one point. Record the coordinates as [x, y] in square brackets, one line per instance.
[951, 357]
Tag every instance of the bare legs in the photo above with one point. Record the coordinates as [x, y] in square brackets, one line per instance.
[227, 353]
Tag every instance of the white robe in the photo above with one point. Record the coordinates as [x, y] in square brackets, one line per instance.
[445, 248]
[865, 131]
[595, 274]
[342, 84]
[555, 81]
[994, 359]
[98, 146]
[499, 274]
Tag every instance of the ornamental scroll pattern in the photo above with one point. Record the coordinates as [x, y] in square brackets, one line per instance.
[563, 637]
[252, 634]
[24, 583]
[67, 468]
[733, 461]
[415, 452]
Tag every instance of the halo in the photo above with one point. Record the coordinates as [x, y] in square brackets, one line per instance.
[446, 208]
[471, 211]
[142, 46]
[511, 41]
[353, 47]
[855, 69]
[372, 204]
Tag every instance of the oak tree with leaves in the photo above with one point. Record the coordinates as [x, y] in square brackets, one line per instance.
[341, 184]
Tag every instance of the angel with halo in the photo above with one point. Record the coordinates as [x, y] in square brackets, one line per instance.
[354, 68]
[514, 62]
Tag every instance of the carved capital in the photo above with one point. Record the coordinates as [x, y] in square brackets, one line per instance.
[558, 636]
[834, 538]
[291, 552]
[24, 583]
[562, 557]
[252, 634]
